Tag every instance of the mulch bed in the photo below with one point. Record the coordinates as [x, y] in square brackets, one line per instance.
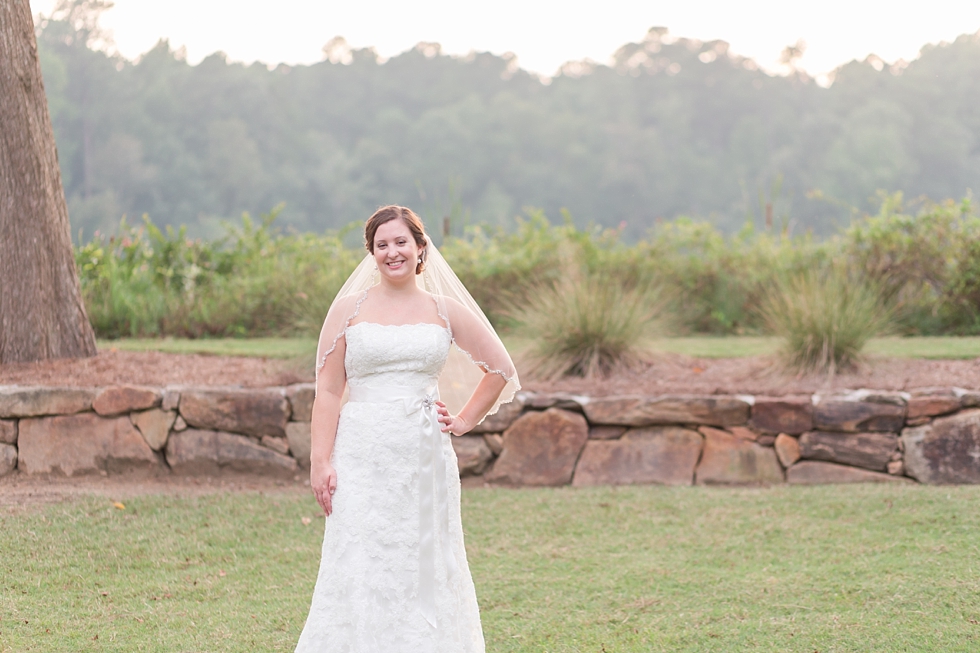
[668, 374]
[757, 375]
[152, 368]
[24, 492]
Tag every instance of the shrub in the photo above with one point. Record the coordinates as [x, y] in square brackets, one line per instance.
[825, 317]
[500, 267]
[254, 281]
[586, 323]
[721, 277]
[927, 264]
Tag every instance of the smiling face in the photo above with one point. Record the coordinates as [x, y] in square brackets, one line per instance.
[395, 251]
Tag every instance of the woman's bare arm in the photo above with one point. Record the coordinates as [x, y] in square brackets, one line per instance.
[480, 402]
[331, 381]
[473, 336]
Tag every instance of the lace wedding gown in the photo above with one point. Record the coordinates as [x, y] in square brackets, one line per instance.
[393, 573]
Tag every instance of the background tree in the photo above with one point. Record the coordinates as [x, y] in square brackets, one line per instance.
[41, 310]
[672, 126]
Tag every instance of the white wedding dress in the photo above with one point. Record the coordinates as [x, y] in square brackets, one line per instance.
[393, 573]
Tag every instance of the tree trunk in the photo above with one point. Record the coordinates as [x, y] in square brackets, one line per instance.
[41, 310]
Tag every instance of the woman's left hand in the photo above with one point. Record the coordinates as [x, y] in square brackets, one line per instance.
[454, 424]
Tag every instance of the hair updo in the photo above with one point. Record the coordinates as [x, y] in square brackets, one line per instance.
[406, 215]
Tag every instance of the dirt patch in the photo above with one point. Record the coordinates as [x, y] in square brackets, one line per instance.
[757, 375]
[155, 369]
[20, 492]
[668, 374]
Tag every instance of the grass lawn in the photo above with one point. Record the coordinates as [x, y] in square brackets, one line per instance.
[829, 569]
[736, 346]
[702, 346]
[267, 347]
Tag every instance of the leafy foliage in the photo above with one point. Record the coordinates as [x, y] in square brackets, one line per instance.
[926, 264]
[252, 281]
[498, 265]
[258, 279]
[722, 278]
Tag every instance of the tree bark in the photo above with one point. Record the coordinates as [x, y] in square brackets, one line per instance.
[41, 311]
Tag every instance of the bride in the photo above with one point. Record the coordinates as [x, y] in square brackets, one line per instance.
[405, 359]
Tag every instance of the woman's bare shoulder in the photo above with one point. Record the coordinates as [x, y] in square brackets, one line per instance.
[451, 303]
[348, 304]
[456, 311]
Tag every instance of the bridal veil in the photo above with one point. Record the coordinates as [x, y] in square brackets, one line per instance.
[477, 349]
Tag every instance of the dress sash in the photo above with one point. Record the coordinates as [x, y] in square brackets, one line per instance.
[433, 490]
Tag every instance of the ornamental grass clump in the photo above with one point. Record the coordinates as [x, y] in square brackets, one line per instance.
[588, 324]
[825, 317]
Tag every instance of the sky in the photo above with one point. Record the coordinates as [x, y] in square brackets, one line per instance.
[543, 34]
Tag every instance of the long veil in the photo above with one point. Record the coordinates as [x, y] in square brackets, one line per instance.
[476, 350]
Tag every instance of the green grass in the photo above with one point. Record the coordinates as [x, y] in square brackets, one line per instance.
[266, 347]
[925, 347]
[716, 346]
[699, 346]
[936, 347]
[636, 569]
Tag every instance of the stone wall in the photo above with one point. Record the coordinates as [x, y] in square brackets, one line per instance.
[930, 436]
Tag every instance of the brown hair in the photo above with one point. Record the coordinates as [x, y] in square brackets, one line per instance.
[393, 212]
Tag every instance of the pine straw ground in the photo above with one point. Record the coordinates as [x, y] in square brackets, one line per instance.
[667, 373]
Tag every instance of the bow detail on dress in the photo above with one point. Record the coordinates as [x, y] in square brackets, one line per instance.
[433, 489]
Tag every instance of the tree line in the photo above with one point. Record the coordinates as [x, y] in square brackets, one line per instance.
[672, 127]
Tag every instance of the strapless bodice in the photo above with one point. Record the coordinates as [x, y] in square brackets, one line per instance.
[402, 355]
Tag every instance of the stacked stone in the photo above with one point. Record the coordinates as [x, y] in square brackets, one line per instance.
[931, 435]
[188, 431]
